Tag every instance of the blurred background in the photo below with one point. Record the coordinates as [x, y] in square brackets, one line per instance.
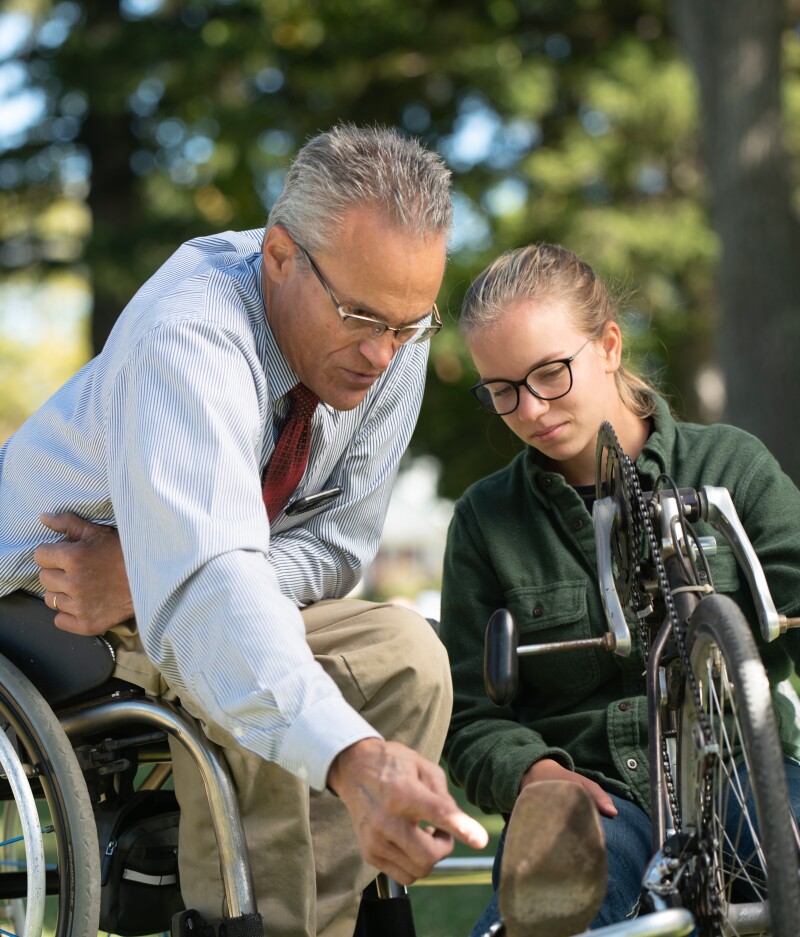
[659, 139]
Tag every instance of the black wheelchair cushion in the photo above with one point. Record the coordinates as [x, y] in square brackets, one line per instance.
[59, 664]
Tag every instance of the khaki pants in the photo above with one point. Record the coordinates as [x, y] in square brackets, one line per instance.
[390, 666]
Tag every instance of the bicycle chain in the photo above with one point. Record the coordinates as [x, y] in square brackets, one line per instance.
[705, 893]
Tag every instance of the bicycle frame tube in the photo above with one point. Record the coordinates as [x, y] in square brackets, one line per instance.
[673, 544]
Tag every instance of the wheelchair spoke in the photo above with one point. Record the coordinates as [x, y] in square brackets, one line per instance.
[20, 839]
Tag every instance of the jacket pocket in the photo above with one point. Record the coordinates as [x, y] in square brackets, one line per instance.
[549, 613]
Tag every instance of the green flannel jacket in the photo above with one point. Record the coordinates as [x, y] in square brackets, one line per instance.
[522, 539]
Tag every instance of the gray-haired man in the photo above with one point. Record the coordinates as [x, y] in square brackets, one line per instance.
[166, 436]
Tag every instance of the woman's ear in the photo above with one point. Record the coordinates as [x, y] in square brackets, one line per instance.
[612, 346]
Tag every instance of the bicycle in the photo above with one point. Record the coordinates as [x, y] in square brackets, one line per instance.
[725, 842]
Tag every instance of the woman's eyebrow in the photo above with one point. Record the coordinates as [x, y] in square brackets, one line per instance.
[537, 364]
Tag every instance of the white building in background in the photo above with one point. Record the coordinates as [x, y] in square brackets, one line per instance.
[408, 566]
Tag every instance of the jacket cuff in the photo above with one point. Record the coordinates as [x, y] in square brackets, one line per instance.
[508, 793]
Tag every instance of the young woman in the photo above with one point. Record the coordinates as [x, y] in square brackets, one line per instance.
[543, 334]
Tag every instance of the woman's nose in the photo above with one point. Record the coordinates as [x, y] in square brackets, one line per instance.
[530, 406]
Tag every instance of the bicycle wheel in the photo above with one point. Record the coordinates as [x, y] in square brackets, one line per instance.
[65, 814]
[732, 786]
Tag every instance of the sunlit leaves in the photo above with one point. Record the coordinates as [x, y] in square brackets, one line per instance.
[566, 120]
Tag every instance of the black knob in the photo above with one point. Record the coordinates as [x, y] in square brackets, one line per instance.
[500, 661]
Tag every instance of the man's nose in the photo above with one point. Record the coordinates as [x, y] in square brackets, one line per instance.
[379, 350]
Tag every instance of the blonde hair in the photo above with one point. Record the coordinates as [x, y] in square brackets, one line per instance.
[543, 272]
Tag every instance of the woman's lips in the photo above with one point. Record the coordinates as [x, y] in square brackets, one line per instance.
[546, 435]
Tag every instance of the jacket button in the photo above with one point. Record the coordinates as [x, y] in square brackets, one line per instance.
[632, 763]
[637, 686]
[577, 523]
[538, 611]
[547, 481]
[624, 707]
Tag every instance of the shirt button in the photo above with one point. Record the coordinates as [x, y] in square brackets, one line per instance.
[624, 707]
[577, 523]
[638, 686]
[538, 611]
[632, 763]
[302, 772]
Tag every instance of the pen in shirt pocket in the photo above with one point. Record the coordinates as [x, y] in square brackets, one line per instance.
[311, 502]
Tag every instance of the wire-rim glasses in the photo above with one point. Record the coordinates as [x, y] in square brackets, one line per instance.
[373, 328]
[547, 381]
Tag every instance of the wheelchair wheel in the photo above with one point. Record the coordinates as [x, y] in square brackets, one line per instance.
[732, 786]
[65, 815]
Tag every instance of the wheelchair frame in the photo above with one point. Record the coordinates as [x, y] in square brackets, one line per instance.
[79, 703]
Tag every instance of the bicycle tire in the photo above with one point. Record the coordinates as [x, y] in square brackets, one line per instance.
[61, 789]
[752, 859]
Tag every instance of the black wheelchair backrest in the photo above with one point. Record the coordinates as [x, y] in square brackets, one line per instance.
[61, 665]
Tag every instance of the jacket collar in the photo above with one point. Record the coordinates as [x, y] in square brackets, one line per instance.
[654, 459]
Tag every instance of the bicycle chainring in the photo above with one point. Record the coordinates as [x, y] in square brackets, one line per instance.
[612, 481]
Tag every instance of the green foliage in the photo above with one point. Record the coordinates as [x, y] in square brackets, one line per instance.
[41, 350]
[572, 122]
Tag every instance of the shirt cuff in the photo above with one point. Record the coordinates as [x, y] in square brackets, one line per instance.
[318, 735]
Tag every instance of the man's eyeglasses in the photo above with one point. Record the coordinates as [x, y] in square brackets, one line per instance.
[367, 327]
[547, 381]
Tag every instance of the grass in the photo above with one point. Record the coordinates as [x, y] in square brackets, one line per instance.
[449, 910]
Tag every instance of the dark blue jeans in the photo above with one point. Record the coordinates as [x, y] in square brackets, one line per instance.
[629, 845]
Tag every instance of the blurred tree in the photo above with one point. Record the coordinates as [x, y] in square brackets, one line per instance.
[573, 121]
[737, 55]
[37, 358]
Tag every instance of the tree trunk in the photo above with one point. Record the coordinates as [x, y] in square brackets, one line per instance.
[735, 49]
[108, 136]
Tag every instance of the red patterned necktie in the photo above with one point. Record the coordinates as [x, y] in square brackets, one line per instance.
[290, 458]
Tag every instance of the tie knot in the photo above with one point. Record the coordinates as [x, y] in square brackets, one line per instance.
[303, 401]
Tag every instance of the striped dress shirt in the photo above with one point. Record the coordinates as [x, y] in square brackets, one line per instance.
[166, 435]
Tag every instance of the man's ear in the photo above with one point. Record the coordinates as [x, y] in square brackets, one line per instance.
[612, 346]
[279, 252]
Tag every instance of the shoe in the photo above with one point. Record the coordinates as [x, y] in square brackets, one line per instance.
[554, 871]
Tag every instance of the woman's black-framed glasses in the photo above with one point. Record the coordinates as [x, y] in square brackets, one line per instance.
[367, 327]
[547, 381]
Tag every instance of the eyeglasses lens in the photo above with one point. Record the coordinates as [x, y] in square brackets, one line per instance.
[549, 381]
[367, 328]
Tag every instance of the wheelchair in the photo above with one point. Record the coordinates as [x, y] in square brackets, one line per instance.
[74, 736]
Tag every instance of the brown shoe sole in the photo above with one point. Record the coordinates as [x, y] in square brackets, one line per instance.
[554, 869]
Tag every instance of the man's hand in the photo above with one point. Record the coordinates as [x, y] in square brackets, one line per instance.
[549, 770]
[390, 790]
[84, 575]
